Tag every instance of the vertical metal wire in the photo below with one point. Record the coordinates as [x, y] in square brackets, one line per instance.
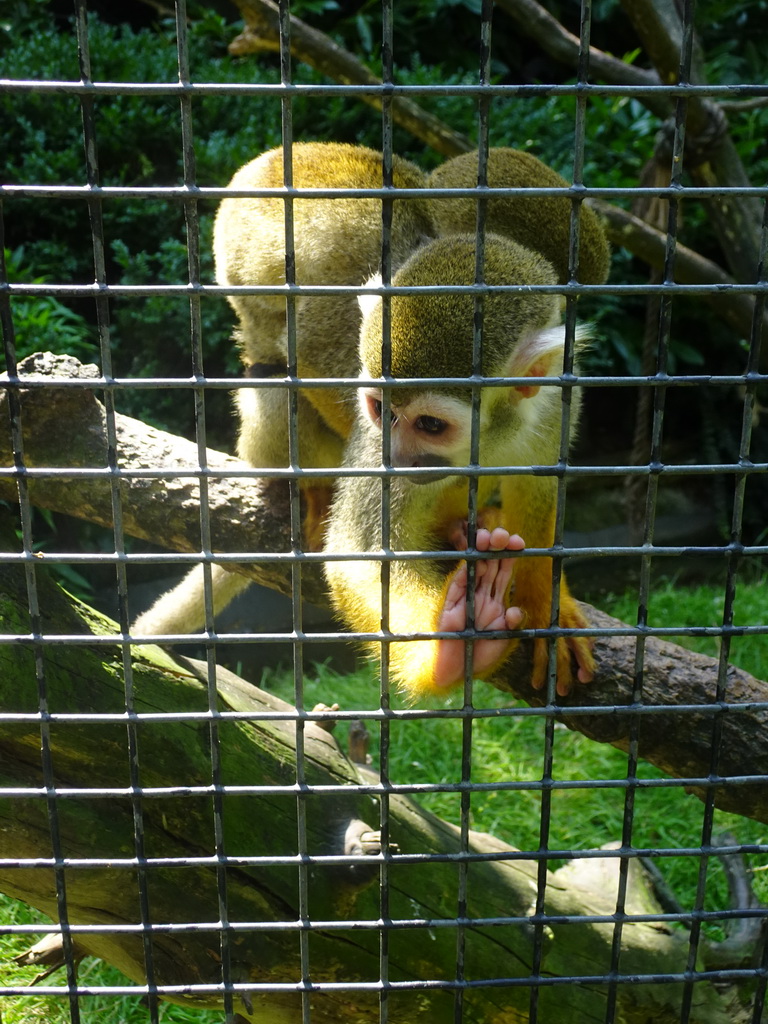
[483, 109]
[659, 401]
[761, 982]
[632, 752]
[747, 421]
[566, 396]
[286, 111]
[733, 559]
[659, 394]
[103, 321]
[198, 371]
[30, 573]
[387, 210]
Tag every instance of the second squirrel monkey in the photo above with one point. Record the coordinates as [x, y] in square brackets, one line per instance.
[432, 336]
[337, 241]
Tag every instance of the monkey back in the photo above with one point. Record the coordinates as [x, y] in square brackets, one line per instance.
[541, 222]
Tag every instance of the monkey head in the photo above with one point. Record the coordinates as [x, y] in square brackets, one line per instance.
[432, 337]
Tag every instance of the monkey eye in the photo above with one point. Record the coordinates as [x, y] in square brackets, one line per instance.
[431, 425]
[377, 409]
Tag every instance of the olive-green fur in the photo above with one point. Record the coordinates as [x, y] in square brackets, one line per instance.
[432, 335]
[539, 222]
[336, 242]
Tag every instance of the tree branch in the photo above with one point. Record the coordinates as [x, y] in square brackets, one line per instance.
[743, 106]
[711, 157]
[65, 427]
[262, 32]
[538, 24]
[648, 244]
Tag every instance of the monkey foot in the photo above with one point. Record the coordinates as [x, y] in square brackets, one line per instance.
[492, 579]
[574, 647]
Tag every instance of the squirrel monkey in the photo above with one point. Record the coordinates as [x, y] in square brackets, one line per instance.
[431, 336]
[338, 241]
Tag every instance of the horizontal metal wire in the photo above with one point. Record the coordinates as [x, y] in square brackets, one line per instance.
[144, 290]
[571, 380]
[390, 924]
[309, 557]
[509, 856]
[372, 789]
[176, 89]
[745, 468]
[331, 636]
[726, 976]
[579, 191]
[555, 711]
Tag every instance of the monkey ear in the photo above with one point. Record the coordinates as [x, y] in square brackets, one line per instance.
[540, 354]
[368, 303]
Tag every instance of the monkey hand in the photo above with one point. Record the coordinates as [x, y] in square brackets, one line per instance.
[578, 647]
[457, 530]
[492, 579]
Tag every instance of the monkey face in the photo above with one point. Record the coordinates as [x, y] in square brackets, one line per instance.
[428, 429]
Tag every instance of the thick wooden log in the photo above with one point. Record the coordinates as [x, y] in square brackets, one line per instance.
[343, 913]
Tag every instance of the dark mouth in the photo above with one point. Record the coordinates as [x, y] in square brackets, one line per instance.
[431, 478]
[429, 462]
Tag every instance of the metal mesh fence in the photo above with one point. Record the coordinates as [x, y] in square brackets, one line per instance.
[379, 919]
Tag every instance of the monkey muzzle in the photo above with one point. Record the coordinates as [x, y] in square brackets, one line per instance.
[424, 462]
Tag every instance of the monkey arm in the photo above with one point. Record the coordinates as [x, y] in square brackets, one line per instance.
[415, 602]
[421, 599]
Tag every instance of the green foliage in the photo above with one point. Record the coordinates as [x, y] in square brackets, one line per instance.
[42, 323]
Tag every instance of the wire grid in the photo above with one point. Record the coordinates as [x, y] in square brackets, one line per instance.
[235, 993]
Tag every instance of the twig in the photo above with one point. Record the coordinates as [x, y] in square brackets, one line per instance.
[315, 48]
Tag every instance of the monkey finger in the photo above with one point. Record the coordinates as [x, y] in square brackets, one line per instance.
[515, 617]
[457, 589]
[482, 540]
[457, 534]
[487, 571]
[584, 660]
[500, 539]
[507, 567]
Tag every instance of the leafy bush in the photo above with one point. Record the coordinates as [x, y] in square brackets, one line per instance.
[43, 323]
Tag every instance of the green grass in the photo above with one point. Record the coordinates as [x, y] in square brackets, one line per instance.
[41, 1009]
[674, 606]
[503, 749]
